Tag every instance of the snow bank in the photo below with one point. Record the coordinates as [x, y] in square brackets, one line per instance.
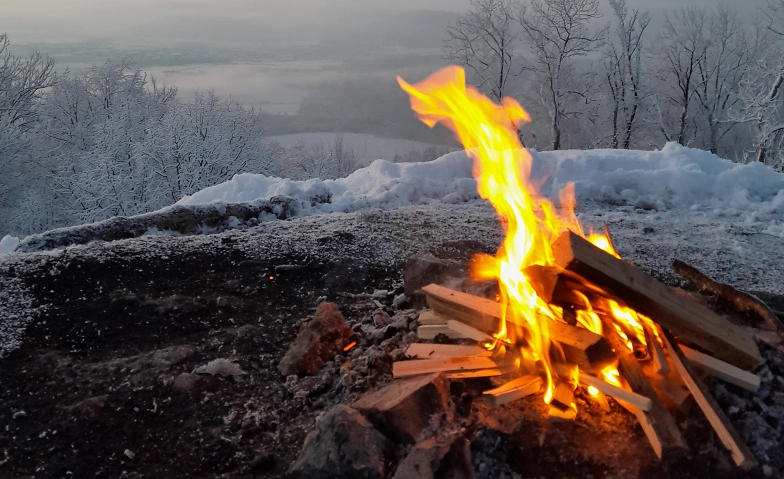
[380, 185]
[671, 178]
[7, 245]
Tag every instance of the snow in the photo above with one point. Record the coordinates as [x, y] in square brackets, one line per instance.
[673, 178]
[382, 184]
[7, 245]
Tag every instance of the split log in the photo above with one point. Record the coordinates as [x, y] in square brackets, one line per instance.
[722, 370]
[659, 360]
[659, 426]
[670, 388]
[478, 373]
[563, 397]
[588, 350]
[431, 331]
[403, 408]
[513, 390]
[720, 422]
[469, 332]
[430, 317]
[429, 351]
[638, 401]
[687, 318]
[424, 366]
[740, 301]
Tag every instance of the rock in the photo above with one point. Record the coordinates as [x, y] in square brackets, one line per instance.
[381, 318]
[421, 271]
[343, 445]
[185, 382]
[129, 454]
[221, 366]
[442, 457]
[404, 408]
[318, 341]
[400, 301]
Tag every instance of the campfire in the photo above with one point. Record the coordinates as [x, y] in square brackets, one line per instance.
[571, 312]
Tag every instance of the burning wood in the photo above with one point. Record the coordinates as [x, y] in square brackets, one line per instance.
[588, 350]
[721, 424]
[570, 309]
[684, 317]
[402, 369]
[514, 390]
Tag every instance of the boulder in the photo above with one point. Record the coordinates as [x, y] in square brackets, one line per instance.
[318, 341]
[343, 445]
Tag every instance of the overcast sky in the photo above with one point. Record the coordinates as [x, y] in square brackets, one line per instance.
[219, 20]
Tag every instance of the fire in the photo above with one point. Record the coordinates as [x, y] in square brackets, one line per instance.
[502, 168]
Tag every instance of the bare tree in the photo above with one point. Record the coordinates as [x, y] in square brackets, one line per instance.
[22, 82]
[558, 32]
[681, 48]
[483, 41]
[623, 70]
[720, 71]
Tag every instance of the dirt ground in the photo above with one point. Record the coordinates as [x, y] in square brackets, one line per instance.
[92, 390]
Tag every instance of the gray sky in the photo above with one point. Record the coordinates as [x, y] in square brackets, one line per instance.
[146, 21]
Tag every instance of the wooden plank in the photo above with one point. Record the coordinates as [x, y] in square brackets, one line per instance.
[428, 351]
[469, 332]
[563, 397]
[588, 350]
[721, 424]
[431, 331]
[423, 366]
[663, 433]
[478, 373]
[659, 360]
[524, 386]
[638, 401]
[429, 317]
[722, 370]
[682, 315]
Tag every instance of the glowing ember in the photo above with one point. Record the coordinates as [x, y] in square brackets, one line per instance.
[350, 345]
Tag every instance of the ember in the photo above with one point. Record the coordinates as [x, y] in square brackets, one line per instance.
[566, 296]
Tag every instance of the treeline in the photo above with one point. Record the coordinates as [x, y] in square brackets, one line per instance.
[706, 79]
[110, 141]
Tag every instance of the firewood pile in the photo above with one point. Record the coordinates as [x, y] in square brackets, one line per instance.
[651, 374]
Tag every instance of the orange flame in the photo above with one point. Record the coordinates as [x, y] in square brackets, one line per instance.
[502, 168]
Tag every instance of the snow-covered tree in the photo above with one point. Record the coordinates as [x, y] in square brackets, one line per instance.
[623, 71]
[483, 41]
[557, 33]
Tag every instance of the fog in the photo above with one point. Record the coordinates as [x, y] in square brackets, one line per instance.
[279, 56]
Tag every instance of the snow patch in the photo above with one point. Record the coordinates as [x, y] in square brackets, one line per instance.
[8, 244]
[674, 177]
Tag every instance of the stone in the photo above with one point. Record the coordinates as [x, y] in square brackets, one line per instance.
[318, 341]
[185, 382]
[405, 407]
[438, 457]
[220, 366]
[421, 271]
[381, 318]
[344, 444]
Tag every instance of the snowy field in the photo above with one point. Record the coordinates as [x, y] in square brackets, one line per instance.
[367, 147]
